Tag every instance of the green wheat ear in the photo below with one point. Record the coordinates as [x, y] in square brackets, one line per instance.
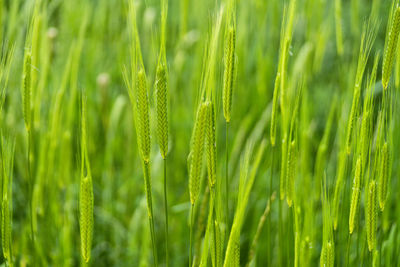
[290, 173]
[86, 216]
[355, 196]
[86, 220]
[211, 145]
[328, 255]
[383, 176]
[161, 86]
[229, 72]
[371, 216]
[26, 87]
[7, 152]
[197, 152]
[162, 115]
[142, 121]
[6, 229]
[390, 46]
[367, 40]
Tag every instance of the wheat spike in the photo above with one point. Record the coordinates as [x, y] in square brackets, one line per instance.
[197, 152]
[6, 228]
[86, 216]
[327, 258]
[162, 115]
[86, 220]
[142, 121]
[26, 87]
[290, 173]
[390, 47]
[355, 196]
[371, 216]
[367, 40]
[229, 72]
[211, 145]
[330, 254]
[383, 176]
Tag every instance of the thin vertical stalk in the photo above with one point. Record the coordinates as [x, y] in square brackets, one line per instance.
[152, 233]
[166, 213]
[146, 167]
[30, 186]
[227, 176]
[191, 235]
[213, 212]
[280, 232]
[269, 217]
[348, 249]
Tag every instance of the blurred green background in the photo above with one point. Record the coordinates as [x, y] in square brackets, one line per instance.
[84, 44]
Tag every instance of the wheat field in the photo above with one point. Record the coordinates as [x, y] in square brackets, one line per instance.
[217, 133]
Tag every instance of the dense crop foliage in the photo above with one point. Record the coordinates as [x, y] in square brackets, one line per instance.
[215, 133]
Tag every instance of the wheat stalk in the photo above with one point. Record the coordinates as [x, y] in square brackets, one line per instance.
[138, 94]
[327, 257]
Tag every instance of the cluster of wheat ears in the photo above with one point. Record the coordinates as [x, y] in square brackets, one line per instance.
[307, 153]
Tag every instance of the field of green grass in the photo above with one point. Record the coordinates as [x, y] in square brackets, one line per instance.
[217, 133]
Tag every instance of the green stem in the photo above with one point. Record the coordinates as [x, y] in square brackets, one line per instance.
[280, 232]
[30, 185]
[371, 258]
[191, 234]
[151, 221]
[364, 250]
[227, 176]
[212, 204]
[269, 217]
[348, 250]
[380, 238]
[358, 231]
[166, 212]
[150, 207]
[30, 195]
[346, 200]
[288, 238]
